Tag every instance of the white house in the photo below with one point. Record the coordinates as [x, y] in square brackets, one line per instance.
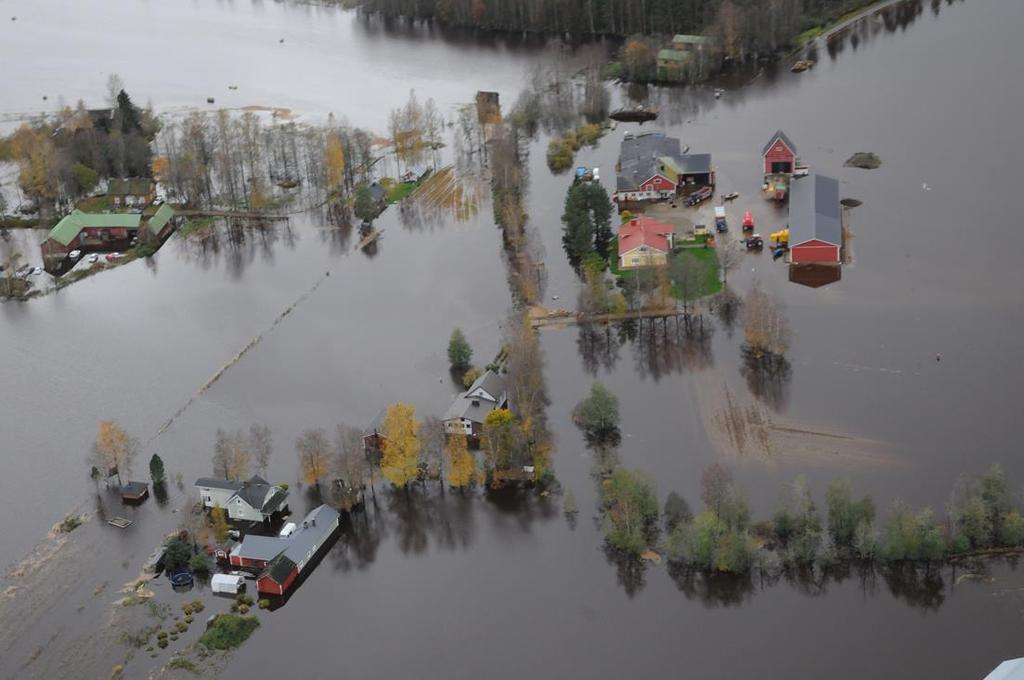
[469, 411]
[253, 500]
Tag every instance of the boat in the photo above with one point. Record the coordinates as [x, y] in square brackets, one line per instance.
[637, 115]
[732, 195]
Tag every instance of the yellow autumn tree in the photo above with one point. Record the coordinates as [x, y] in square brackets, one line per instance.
[114, 448]
[36, 156]
[401, 444]
[314, 449]
[460, 462]
[498, 439]
[219, 523]
[334, 158]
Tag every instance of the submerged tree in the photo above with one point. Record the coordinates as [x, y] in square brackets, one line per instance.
[598, 414]
[156, 469]
[314, 451]
[461, 466]
[401, 444]
[586, 222]
[630, 511]
[459, 351]
[261, 444]
[115, 449]
[231, 455]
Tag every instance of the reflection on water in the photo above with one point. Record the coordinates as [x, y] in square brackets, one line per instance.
[768, 377]
[660, 346]
[237, 243]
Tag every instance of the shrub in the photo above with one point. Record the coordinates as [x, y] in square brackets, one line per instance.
[598, 414]
[243, 609]
[264, 603]
[470, 376]
[177, 555]
[162, 643]
[588, 134]
[630, 511]
[459, 351]
[174, 637]
[69, 524]
[183, 664]
[162, 634]
[228, 631]
[187, 607]
[189, 618]
[200, 563]
[560, 155]
[198, 606]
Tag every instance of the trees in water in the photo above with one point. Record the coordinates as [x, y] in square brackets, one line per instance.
[586, 221]
[114, 449]
[399, 463]
[459, 351]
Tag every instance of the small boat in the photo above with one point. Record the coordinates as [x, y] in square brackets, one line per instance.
[732, 195]
[778, 252]
[637, 115]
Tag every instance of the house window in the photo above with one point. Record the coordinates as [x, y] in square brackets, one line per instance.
[636, 260]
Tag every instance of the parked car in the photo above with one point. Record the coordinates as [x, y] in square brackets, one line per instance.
[37, 271]
[720, 224]
[113, 256]
[75, 254]
[288, 529]
[94, 258]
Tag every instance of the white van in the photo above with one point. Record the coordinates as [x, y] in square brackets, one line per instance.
[288, 529]
[227, 583]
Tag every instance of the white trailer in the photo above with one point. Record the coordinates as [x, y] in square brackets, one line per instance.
[227, 583]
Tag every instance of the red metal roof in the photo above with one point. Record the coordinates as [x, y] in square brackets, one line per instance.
[644, 231]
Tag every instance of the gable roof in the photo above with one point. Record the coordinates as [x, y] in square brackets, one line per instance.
[685, 39]
[1012, 669]
[130, 186]
[694, 164]
[644, 231]
[490, 382]
[779, 134]
[295, 546]
[279, 569]
[217, 483]
[814, 211]
[667, 54]
[160, 218]
[640, 157]
[65, 231]
[263, 548]
[376, 425]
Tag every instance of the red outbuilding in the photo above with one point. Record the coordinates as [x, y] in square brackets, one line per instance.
[815, 221]
[779, 155]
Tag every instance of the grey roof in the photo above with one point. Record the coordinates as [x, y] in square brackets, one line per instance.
[694, 164]
[814, 211]
[314, 528]
[263, 548]
[377, 192]
[638, 158]
[491, 383]
[134, 488]
[320, 521]
[779, 134]
[279, 569]
[215, 483]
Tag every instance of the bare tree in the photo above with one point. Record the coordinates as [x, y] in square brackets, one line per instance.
[432, 447]
[729, 252]
[765, 326]
[314, 452]
[231, 455]
[350, 456]
[261, 445]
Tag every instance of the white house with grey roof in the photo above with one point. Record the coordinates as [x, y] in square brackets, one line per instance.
[253, 500]
[469, 411]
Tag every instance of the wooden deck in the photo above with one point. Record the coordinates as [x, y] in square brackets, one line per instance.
[369, 238]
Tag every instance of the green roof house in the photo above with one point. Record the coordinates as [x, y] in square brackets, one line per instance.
[681, 41]
[161, 223]
[80, 229]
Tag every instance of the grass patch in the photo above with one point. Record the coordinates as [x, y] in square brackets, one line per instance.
[184, 664]
[401, 190]
[808, 35]
[195, 224]
[229, 631]
[12, 222]
[93, 204]
[865, 160]
[69, 524]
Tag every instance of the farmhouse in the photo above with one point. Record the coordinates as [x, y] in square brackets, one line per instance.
[279, 561]
[254, 500]
[815, 221]
[89, 231]
[779, 155]
[132, 192]
[644, 242]
[469, 411]
[653, 166]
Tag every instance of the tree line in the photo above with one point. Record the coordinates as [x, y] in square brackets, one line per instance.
[983, 514]
[743, 27]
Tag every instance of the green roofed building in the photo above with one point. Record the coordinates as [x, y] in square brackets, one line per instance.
[131, 192]
[672, 63]
[82, 230]
[161, 223]
[681, 41]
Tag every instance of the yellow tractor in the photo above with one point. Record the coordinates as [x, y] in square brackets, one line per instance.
[781, 237]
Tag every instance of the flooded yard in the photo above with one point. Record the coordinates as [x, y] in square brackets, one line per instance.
[901, 374]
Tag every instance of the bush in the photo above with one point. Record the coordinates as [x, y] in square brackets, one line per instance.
[560, 155]
[189, 618]
[598, 414]
[200, 563]
[69, 524]
[459, 351]
[243, 609]
[264, 603]
[1012, 532]
[198, 606]
[177, 555]
[186, 608]
[228, 631]
[588, 134]
[162, 643]
[184, 664]
[470, 376]
[630, 511]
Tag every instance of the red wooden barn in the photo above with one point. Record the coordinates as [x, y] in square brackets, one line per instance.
[779, 155]
[815, 221]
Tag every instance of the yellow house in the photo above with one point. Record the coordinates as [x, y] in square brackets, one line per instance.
[644, 242]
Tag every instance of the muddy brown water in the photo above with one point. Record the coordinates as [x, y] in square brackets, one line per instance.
[504, 586]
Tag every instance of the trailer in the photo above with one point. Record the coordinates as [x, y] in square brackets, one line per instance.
[230, 584]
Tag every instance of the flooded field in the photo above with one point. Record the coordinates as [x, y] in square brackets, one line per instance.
[434, 585]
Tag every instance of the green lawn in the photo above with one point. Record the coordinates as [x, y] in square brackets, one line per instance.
[712, 283]
[400, 190]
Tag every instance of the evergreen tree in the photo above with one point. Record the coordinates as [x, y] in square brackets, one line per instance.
[459, 351]
[156, 469]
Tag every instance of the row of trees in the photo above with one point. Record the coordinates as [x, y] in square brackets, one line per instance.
[64, 157]
[743, 27]
[219, 159]
[586, 224]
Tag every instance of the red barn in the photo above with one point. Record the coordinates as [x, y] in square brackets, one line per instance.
[779, 155]
[815, 221]
[278, 576]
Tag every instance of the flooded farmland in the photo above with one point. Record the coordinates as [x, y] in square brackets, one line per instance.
[902, 373]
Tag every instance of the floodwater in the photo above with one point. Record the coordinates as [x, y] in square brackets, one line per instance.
[433, 586]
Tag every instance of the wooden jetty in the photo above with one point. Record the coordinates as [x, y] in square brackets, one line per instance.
[369, 239]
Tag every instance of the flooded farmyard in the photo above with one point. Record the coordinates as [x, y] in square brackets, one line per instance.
[899, 373]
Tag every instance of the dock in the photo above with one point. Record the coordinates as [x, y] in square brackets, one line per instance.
[369, 239]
